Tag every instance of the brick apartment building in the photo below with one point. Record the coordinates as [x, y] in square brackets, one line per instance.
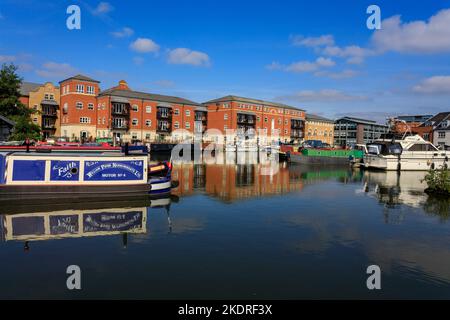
[319, 128]
[121, 114]
[44, 100]
[245, 115]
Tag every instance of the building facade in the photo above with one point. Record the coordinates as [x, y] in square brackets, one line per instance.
[319, 128]
[235, 116]
[127, 115]
[402, 124]
[44, 100]
[349, 131]
[120, 114]
[428, 129]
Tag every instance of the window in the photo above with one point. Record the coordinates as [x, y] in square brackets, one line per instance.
[134, 122]
[225, 116]
[147, 136]
[176, 125]
[148, 109]
[99, 121]
[176, 112]
[135, 107]
[441, 134]
[225, 127]
[134, 136]
[285, 131]
[286, 121]
[103, 120]
[148, 123]
[265, 119]
[85, 120]
[80, 88]
[35, 120]
[52, 97]
[258, 118]
[46, 96]
[35, 107]
[90, 89]
[90, 106]
[280, 121]
[187, 125]
[188, 113]
[79, 105]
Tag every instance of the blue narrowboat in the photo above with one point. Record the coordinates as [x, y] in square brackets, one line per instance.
[61, 176]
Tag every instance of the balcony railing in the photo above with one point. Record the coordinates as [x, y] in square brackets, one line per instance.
[48, 126]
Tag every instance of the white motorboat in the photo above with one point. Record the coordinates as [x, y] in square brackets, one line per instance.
[407, 153]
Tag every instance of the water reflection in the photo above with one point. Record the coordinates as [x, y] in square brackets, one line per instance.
[303, 232]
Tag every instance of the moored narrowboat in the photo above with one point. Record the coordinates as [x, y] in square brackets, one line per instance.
[63, 176]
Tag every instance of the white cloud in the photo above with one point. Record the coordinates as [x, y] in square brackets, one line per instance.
[123, 33]
[354, 54]
[144, 45]
[432, 36]
[56, 70]
[325, 95]
[434, 85]
[24, 67]
[344, 74]
[103, 8]
[324, 40]
[6, 59]
[188, 56]
[303, 66]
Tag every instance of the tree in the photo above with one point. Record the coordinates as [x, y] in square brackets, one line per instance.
[25, 129]
[12, 108]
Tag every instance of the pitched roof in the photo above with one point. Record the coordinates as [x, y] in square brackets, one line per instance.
[315, 117]
[27, 87]
[80, 77]
[362, 121]
[436, 120]
[146, 96]
[10, 122]
[250, 100]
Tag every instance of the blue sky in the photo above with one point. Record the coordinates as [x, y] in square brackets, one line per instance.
[317, 55]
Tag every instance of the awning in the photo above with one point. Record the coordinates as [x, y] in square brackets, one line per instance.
[49, 102]
[120, 100]
[247, 112]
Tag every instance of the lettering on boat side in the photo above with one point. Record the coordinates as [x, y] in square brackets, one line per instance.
[74, 280]
[374, 280]
[113, 170]
[64, 170]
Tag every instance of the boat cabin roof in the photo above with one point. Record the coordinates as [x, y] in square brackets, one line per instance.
[71, 155]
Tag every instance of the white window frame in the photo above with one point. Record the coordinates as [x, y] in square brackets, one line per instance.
[134, 122]
[79, 105]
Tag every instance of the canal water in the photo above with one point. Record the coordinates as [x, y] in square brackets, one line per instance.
[229, 232]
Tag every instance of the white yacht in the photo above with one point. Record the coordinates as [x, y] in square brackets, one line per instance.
[407, 153]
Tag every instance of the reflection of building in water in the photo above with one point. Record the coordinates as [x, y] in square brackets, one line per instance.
[73, 223]
[234, 181]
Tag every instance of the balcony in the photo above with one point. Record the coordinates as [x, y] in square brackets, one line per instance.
[50, 114]
[48, 126]
[164, 127]
[119, 126]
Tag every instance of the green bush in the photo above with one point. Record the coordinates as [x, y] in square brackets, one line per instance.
[438, 181]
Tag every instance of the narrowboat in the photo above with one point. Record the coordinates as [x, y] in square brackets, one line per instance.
[59, 176]
[311, 156]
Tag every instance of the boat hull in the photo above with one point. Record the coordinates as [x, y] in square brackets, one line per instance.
[315, 160]
[407, 161]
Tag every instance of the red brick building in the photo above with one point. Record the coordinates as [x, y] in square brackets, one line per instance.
[247, 115]
[78, 99]
[121, 114]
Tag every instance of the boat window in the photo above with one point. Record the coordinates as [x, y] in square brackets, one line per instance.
[395, 148]
[422, 147]
[373, 149]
